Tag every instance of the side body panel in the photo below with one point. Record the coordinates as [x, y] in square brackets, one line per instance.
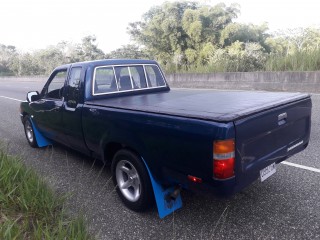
[166, 143]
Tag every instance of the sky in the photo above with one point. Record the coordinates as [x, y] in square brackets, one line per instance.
[34, 24]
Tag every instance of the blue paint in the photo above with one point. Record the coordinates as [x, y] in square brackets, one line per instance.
[41, 140]
[165, 206]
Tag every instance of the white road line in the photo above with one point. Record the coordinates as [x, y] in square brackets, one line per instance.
[301, 166]
[12, 99]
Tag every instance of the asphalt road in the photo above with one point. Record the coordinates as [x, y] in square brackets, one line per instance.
[286, 206]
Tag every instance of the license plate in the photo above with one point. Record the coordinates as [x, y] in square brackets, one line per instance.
[267, 172]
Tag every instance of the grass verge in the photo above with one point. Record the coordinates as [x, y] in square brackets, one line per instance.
[29, 209]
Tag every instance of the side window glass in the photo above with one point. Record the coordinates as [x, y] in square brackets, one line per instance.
[73, 91]
[55, 87]
[154, 76]
[124, 79]
[105, 80]
[138, 77]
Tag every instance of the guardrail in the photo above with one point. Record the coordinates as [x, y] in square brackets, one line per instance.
[268, 81]
[24, 78]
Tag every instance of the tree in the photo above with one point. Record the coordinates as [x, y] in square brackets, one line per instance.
[129, 51]
[8, 55]
[161, 30]
[49, 58]
[89, 49]
[246, 33]
[176, 32]
[312, 42]
[85, 51]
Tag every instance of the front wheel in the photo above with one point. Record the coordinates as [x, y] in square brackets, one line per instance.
[132, 180]
[29, 131]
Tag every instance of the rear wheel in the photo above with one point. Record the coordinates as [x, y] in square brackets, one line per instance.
[132, 180]
[29, 131]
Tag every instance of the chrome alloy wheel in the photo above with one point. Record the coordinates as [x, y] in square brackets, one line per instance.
[29, 131]
[128, 180]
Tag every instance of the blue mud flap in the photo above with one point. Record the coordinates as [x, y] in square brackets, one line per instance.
[165, 204]
[41, 140]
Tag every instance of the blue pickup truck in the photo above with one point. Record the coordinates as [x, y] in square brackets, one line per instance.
[124, 113]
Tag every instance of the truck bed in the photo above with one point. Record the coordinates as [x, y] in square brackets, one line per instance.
[268, 127]
[223, 106]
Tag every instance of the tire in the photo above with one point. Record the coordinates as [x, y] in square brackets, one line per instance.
[132, 180]
[29, 132]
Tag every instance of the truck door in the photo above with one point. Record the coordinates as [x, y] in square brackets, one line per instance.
[48, 114]
[72, 110]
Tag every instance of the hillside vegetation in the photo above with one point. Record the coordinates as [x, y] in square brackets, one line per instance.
[186, 36]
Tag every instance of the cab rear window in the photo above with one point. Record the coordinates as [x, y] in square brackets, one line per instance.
[112, 79]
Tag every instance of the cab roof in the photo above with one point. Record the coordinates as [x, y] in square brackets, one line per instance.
[108, 62]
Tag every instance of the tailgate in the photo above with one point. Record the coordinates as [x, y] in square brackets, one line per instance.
[271, 136]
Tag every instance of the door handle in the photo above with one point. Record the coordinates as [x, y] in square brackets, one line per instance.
[57, 109]
[282, 118]
[94, 111]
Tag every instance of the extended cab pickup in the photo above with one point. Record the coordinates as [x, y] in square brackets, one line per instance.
[123, 112]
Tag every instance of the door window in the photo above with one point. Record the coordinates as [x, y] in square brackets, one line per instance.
[73, 88]
[55, 88]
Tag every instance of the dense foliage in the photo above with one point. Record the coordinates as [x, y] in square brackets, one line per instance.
[186, 36]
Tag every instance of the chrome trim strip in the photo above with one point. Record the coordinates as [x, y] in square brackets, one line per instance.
[93, 81]
[69, 108]
[115, 77]
[295, 145]
[130, 77]
[131, 90]
[145, 75]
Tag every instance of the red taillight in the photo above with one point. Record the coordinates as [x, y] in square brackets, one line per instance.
[194, 179]
[223, 159]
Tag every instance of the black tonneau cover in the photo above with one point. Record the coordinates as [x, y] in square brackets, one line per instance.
[221, 106]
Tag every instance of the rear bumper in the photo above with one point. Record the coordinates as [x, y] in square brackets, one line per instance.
[221, 188]
[218, 188]
[228, 187]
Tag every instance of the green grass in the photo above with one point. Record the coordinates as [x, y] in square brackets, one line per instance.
[29, 209]
[306, 60]
[299, 61]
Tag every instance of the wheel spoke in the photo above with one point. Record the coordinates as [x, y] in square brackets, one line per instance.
[126, 184]
[125, 169]
[136, 185]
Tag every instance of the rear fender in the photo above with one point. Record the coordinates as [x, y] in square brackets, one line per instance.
[133, 142]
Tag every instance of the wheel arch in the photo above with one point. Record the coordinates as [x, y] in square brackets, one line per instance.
[112, 147]
[24, 115]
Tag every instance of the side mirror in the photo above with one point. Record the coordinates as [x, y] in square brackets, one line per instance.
[33, 96]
